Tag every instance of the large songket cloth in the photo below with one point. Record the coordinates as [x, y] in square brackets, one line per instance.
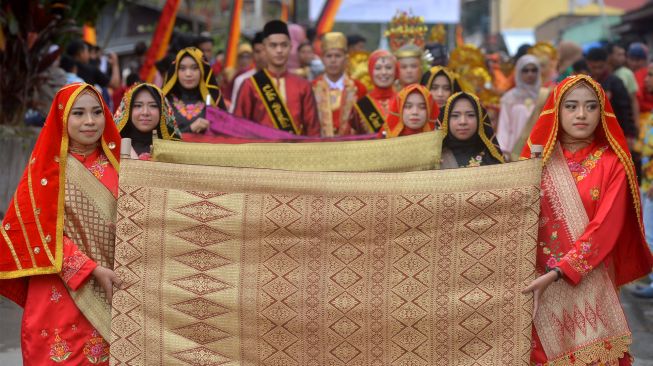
[394, 125]
[296, 94]
[189, 105]
[58, 228]
[335, 106]
[590, 228]
[379, 97]
[142, 141]
[400, 154]
[241, 266]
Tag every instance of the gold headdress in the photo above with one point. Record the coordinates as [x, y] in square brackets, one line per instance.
[468, 62]
[333, 40]
[405, 29]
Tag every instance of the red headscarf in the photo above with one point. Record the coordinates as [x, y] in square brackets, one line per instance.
[394, 124]
[381, 93]
[31, 240]
[545, 133]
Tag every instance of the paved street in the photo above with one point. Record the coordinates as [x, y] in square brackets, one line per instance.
[639, 312]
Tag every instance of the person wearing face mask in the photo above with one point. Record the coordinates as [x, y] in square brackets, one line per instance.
[442, 82]
[591, 237]
[188, 87]
[57, 237]
[143, 109]
[335, 92]
[519, 103]
[412, 111]
[275, 97]
[372, 110]
[469, 140]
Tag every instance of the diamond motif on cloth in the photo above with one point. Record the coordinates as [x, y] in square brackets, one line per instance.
[348, 229]
[475, 348]
[350, 205]
[346, 278]
[204, 211]
[283, 215]
[201, 284]
[206, 195]
[344, 327]
[200, 308]
[203, 235]
[201, 357]
[280, 338]
[344, 302]
[347, 253]
[477, 273]
[201, 333]
[480, 223]
[483, 200]
[475, 323]
[475, 298]
[202, 260]
[345, 352]
[478, 248]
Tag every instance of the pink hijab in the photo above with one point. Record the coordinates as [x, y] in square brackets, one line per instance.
[297, 37]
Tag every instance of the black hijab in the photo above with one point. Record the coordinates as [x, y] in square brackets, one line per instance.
[482, 144]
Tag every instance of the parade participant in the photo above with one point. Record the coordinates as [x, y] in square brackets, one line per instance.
[143, 109]
[189, 85]
[518, 104]
[597, 62]
[412, 111]
[57, 236]
[442, 83]
[372, 109]
[590, 216]
[306, 55]
[335, 92]
[469, 140]
[274, 97]
[205, 44]
[646, 133]
[259, 64]
[409, 57]
[547, 56]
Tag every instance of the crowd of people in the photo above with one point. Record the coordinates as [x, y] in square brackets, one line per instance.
[591, 109]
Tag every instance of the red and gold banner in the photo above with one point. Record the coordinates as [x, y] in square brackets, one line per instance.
[327, 16]
[160, 39]
[234, 34]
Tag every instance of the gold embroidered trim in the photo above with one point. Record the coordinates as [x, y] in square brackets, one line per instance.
[610, 350]
[11, 248]
[36, 217]
[22, 227]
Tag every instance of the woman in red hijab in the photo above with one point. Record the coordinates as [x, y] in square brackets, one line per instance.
[590, 234]
[372, 110]
[56, 242]
[412, 111]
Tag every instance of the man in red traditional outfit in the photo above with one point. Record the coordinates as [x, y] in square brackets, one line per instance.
[273, 97]
[335, 92]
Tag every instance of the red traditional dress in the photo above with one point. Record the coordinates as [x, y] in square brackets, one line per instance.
[379, 97]
[394, 125]
[295, 92]
[611, 240]
[39, 264]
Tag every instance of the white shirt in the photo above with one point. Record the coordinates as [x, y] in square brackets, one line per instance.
[339, 84]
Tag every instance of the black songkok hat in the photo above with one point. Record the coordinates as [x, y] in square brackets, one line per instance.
[275, 27]
[258, 38]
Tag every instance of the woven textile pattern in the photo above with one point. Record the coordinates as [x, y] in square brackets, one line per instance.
[225, 266]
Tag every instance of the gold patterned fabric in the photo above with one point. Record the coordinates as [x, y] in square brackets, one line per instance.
[240, 266]
[409, 153]
[89, 221]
